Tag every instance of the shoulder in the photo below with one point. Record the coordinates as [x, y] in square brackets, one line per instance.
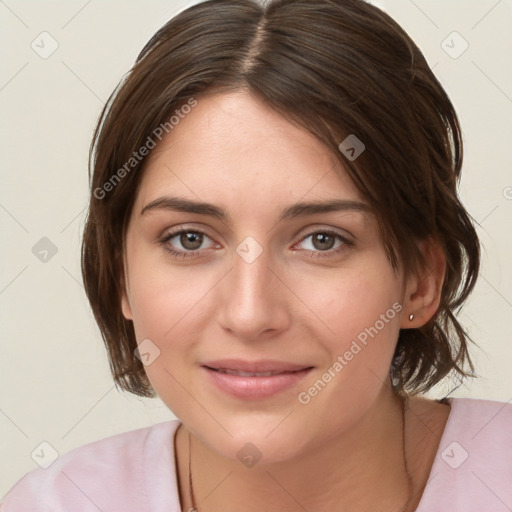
[109, 474]
[482, 413]
[473, 466]
[482, 429]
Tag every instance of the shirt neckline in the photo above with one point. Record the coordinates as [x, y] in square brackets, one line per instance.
[434, 470]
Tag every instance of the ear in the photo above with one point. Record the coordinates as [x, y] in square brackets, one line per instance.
[126, 308]
[423, 290]
[125, 302]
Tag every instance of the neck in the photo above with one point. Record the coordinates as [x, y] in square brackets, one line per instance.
[364, 468]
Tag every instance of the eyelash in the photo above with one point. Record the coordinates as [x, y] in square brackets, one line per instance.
[313, 254]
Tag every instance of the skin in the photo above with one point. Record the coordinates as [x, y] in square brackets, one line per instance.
[296, 302]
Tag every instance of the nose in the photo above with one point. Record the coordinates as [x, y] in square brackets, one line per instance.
[254, 299]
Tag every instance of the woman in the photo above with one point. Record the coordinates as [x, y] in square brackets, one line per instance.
[275, 247]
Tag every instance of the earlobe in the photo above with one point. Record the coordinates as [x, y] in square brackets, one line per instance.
[423, 293]
[126, 308]
[125, 303]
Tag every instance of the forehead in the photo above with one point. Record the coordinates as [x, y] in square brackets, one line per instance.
[235, 147]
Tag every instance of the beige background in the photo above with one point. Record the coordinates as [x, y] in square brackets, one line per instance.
[55, 382]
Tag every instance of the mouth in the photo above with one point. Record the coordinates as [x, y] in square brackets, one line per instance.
[241, 373]
[258, 367]
[254, 380]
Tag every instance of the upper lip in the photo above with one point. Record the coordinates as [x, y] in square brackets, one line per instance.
[255, 366]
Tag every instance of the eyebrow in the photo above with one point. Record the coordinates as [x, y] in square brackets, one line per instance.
[178, 204]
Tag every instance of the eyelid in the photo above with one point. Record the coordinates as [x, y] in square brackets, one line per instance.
[173, 232]
[311, 230]
[176, 230]
[329, 253]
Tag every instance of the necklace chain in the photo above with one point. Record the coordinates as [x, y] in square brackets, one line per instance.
[192, 497]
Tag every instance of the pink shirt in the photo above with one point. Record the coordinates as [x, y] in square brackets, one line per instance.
[135, 471]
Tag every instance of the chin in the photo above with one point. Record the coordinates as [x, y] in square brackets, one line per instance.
[256, 438]
[251, 450]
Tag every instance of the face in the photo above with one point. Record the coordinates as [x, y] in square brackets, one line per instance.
[263, 320]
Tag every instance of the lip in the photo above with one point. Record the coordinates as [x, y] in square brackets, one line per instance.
[276, 377]
[266, 365]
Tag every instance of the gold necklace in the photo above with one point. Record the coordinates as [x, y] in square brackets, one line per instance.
[409, 480]
[192, 497]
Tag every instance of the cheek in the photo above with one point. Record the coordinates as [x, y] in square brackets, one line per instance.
[168, 308]
[365, 317]
[354, 303]
[163, 300]
[361, 322]
[164, 309]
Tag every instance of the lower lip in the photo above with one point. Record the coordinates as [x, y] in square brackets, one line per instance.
[255, 388]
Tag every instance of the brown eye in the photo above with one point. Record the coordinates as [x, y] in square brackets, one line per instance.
[323, 241]
[186, 243]
[191, 240]
[324, 244]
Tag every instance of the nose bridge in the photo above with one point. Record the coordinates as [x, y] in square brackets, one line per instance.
[251, 276]
[253, 301]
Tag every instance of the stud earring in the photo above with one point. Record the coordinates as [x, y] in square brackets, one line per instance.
[411, 317]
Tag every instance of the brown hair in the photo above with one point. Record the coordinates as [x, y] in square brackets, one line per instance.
[334, 67]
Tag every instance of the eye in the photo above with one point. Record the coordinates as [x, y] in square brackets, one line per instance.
[185, 243]
[324, 241]
[189, 243]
